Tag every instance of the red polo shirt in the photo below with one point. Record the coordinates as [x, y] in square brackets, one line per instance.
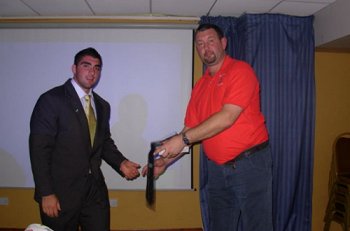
[235, 83]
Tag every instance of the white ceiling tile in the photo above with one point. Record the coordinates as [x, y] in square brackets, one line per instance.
[60, 7]
[308, 1]
[15, 8]
[298, 8]
[120, 7]
[238, 7]
[186, 8]
[181, 7]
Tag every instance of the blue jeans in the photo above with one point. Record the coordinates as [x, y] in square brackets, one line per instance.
[241, 192]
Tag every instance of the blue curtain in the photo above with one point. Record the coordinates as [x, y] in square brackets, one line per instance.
[281, 50]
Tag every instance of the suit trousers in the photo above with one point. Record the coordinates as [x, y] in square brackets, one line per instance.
[240, 194]
[93, 213]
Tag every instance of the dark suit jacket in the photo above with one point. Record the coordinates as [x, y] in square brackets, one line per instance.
[60, 149]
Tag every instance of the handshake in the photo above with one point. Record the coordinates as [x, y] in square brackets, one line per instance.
[161, 155]
[156, 166]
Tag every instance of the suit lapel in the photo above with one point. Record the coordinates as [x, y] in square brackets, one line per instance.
[99, 111]
[78, 109]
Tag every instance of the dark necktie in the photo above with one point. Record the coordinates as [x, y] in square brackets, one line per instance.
[90, 115]
[150, 189]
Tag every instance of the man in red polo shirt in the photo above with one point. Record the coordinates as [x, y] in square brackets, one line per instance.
[224, 114]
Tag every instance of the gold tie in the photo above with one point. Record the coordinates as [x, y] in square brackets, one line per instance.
[89, 111]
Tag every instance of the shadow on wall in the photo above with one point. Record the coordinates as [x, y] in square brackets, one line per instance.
[131, 124]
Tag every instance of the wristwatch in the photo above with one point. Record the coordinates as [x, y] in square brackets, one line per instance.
[185, 139]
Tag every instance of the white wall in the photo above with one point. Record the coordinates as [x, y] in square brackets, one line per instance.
[332, 22]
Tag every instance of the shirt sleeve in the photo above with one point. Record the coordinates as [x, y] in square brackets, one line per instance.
[242, 84]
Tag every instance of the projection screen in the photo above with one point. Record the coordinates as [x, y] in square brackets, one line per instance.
[146, 78]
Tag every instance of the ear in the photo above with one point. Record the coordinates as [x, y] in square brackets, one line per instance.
[224, 43]
[74, 69]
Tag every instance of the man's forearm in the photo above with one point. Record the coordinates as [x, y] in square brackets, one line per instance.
[214, 124]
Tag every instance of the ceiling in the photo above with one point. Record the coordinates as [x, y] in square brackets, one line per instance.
[162, 9]
[156, 8]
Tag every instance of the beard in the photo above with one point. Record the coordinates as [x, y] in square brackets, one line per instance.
[209, 58]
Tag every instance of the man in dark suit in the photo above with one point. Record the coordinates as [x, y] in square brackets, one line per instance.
[66, 158]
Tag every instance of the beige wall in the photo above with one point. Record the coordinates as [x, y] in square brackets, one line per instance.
[180, 209]
[332, 71]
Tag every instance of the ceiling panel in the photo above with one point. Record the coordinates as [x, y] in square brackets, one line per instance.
[239, 7]
[316, 1]
[15, 8]
[185, 8]
[298, 8]
[120, 7]
[60, 7]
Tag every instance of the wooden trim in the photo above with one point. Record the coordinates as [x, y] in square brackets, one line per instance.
[98, 23]
[332, 50]
[100, 20]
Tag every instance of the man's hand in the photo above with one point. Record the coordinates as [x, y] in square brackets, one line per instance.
[130, 169]
[160, 166]
[50, 205]
[172, 147]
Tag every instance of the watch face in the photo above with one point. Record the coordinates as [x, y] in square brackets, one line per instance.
[185, 139]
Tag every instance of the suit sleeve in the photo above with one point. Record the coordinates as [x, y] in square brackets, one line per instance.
[43, 129]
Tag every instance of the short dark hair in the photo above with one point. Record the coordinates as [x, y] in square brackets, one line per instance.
[87, 52]
[207, 26]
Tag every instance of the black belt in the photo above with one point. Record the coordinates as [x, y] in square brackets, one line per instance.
[248, 152]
